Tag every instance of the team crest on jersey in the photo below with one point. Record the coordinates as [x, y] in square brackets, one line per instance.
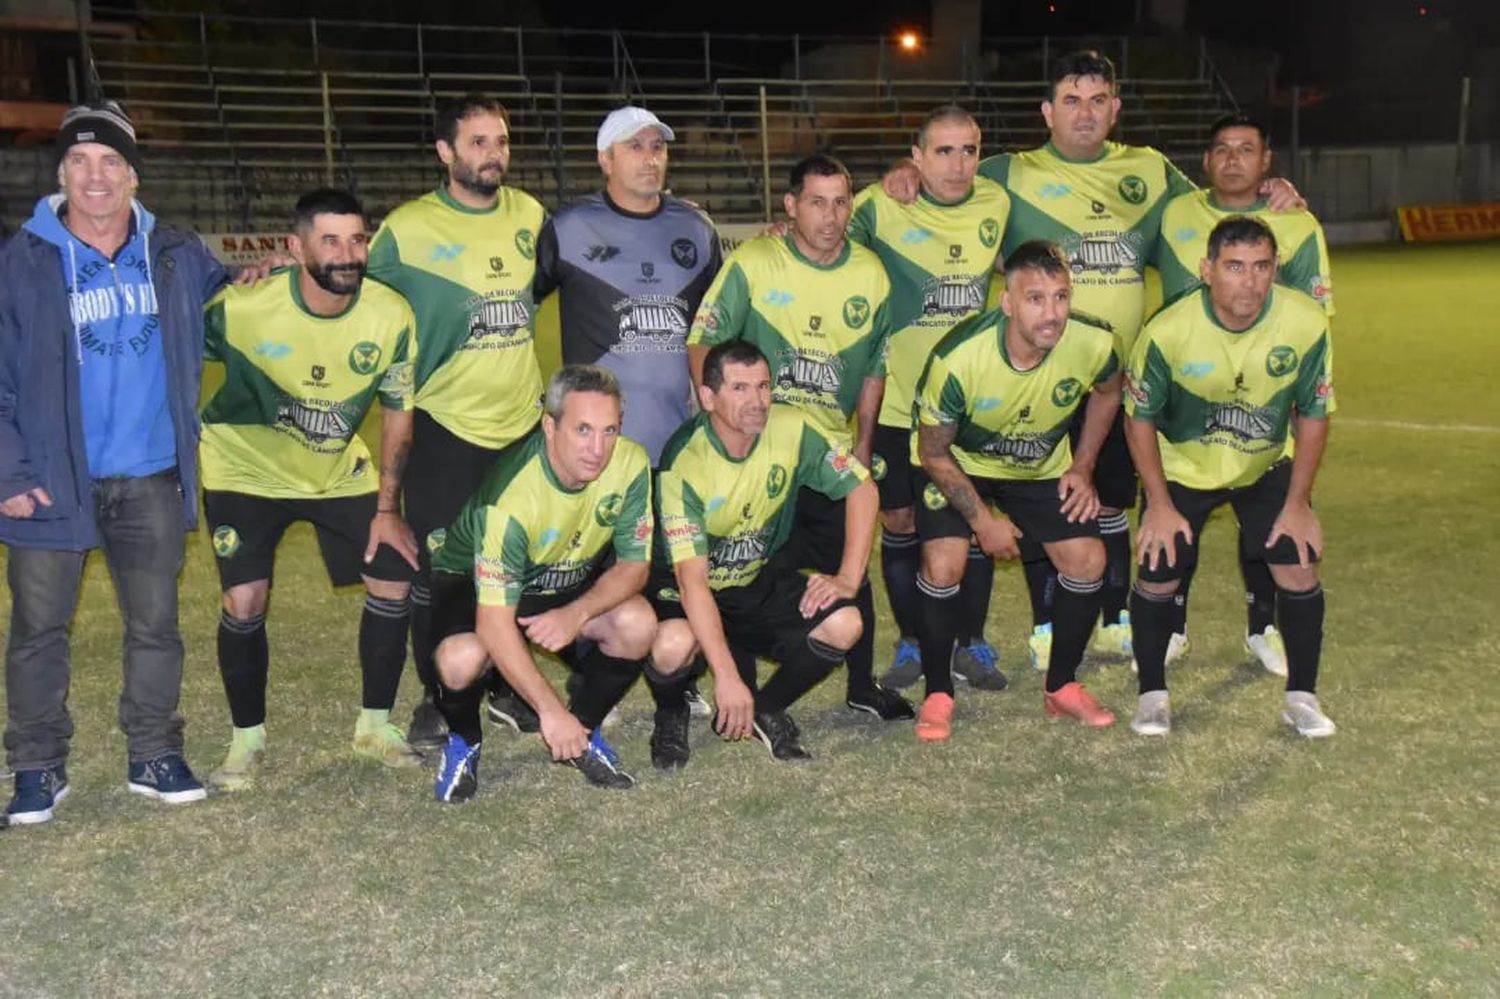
[526, 243]
[608, 510]
[497, 265]
[814, 323]
[955, 250]
[364, 357]
[319, 372]
[226, 541]
[933, 498]
[669, 594]
[877, 467]
[1066, 392]
[775, 481]
[648, 269]
[1132, 189]
[856, 312]
[989, 233]
[435, 540]
[684, 253]
[1280, 361]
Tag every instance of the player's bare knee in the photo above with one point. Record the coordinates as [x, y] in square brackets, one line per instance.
[900, 521]
[1079, 558]
[459, 660]
[841, 629]
[386, 589]
[1295, 577]
[629, 630]
[247, 600]
[673, 648]
[944, 560]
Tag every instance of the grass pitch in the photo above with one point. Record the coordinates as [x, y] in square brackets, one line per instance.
[1025, 857]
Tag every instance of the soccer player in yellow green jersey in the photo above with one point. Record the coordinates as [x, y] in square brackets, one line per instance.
[939, 252]
[1218, 381]
[1102, 202]
[552, 551]
[306, 354]
[816, 305]
[464, 256]
[1236, 164]
[993, 409]
[729, 482]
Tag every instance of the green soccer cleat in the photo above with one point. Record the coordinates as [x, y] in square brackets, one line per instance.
[247, 751]
[378, 739]
[1269, 650]
[1114, 639]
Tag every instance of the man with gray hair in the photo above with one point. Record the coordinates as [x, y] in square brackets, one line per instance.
[101, 344]
[551, 551]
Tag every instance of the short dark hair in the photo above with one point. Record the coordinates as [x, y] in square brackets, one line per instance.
[325, 201]
[730, 352]
[1239, 230]
[1239, 120]
[818, 165]
[456, 110]
[1036, 255]
[1086, 62]
[572, 378]
[947, 112]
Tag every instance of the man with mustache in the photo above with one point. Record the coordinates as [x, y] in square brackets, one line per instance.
[464, 257]
[1218, 381]
[993, 409]
[306, 353]
[1236, 163]
[816, 305]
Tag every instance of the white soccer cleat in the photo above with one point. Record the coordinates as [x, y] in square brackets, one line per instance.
[1153, 714]
[1304, 715]
[1268, 649]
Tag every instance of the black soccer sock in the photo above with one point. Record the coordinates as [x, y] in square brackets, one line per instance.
[1260, 596]
[861, 658]
[1041, 586]
[1115, 532]
[244, 664]
[421, 637]
[1301, 624]
[382, 650]
[669, 690]
[974, 595]
[800, 672]
[900, 558]
[460, 709]
[1075, 608]
[1152, 616]
[604, 681]
[937, 633]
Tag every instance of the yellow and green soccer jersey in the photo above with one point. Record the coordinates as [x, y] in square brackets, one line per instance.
[468, 275]
[296, 386]
[1301, 253]
[940, 259]
[524, 534]
[1104, 213]
[822, 327]
[737, 512]
[1222, 401]
[1010, 424]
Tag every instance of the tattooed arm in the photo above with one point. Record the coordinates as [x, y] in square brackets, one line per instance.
[996, 535]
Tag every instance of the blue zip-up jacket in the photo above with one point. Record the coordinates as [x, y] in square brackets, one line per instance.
[41, 411]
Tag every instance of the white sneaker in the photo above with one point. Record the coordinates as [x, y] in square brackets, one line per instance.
[1268, 649]
[1177, 647]
[1153, 714]
[1304, 715]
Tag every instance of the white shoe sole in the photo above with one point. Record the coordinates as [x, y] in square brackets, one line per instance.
[1321, 732]
[37, 818]
[1150, 728]
[167, 797]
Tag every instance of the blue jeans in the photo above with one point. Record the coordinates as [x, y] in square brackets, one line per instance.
[140, 521]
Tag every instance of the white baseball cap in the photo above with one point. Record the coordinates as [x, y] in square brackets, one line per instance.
[622, 123]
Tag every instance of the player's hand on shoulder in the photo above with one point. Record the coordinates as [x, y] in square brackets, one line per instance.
[902, 181]
[261, 269]
[1282, 196]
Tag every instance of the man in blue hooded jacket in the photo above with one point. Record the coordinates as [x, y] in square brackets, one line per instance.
[101, 349]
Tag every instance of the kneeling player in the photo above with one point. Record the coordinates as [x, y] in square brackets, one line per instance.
[728, 482]
[993, 408]
[552, 550]
[305, 355]
[1217, 381]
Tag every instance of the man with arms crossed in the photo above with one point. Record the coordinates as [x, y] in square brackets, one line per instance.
[1217, 382]
[306, 353]
[993, 409]
[552, 550]
[729, 479]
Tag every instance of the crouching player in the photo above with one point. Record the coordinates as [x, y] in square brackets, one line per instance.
[728, 482]
[552, 551]
[993, 408]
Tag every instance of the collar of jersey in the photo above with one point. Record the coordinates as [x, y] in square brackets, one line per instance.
[923, 195]
[1000, 326]
[1068, 159]
[1258, 205]
[1208, 310]
[791, 244]
[718, 445]
[292, 277]
[541, 454]
[612, 205]
[459, 206]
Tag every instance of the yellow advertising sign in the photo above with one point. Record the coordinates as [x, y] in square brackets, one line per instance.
[1444, 223]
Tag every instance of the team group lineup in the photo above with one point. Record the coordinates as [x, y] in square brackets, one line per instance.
[696, 491]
